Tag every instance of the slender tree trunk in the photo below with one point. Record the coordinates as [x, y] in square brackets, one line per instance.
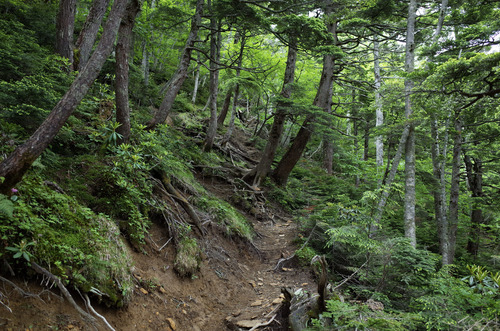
[454, 188]
[474, 170]
[379, 113]
[123, 46]
[145, 62]
[196, 79]
[215, 40]
[180, 75]
[18, 162]
[260, 172]
[230, 127]
[439, 202]
[390, 178]
[225, 108]
[65, 26]
[88, 35]
[410, 196]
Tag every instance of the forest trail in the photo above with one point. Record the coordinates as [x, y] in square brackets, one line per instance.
[238, 286]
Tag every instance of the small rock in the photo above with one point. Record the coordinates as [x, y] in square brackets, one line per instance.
[277, 301]
[304, 284]
[184, 312]
[171, 322]
[252, 283]
[238, 313]
[162, 290]
[143, 291]
[273, 284]
[247, 324]
[260, 279]
[260, 284]
[286, 269]
[256, 303]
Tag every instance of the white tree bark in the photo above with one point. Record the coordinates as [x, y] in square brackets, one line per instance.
[410, 196]
[379, 113]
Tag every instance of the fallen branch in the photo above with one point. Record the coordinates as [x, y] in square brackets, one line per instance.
[263, 324]
[350, 276]
[283, 260]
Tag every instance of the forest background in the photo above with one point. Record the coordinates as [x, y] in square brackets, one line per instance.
[378, 123]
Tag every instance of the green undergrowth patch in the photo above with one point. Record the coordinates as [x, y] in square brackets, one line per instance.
[226, 215]
[83, 248]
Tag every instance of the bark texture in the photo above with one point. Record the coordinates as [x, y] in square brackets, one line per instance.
[88, 35]
[18, 162]
[474, 171]
[215, 40]
[409, 202]
[65, 25]
[122, 70]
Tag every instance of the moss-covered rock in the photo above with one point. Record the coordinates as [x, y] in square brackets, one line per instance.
[81, 247]
[188, 258]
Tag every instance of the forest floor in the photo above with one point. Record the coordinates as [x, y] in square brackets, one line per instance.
[238, 286]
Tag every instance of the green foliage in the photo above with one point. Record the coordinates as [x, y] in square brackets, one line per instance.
[6, 206]
[451, 303]
[483, 281]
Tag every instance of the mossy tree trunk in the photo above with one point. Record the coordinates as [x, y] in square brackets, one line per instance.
[13, 168]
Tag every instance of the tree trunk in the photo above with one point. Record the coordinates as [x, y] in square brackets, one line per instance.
[409, 203]
[122, 68]
[215, 40]
[18, 162]
[180, 75]
[65, 26]
[230, 127]
[379, 113]
[454, 188]
[88, 35]
[196, 80]
[439, 203]
[259, 173]
[474, 170]
[225, 108]
[390, 178]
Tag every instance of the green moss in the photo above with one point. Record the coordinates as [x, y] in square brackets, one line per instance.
[188, 258]
[227, 215]
[81, 247]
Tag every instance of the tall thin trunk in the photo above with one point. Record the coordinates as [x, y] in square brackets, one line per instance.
[437, 191]
[65, 25]
[145, 62]
[379, 113]
[454, 188]
[180, 75]
[230, 128]
[88, 35]
[410, 195]
[123, 46]
[225, 108]
[215, 40]
[259, 173]
[379, 210]
[19, 161]
[474, 171]
[196, 79]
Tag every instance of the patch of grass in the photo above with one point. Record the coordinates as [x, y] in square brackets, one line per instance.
[188, 258]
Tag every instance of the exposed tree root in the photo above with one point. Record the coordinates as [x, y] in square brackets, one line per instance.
[85, 316]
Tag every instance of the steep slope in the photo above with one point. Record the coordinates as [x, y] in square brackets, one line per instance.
[238, 285]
